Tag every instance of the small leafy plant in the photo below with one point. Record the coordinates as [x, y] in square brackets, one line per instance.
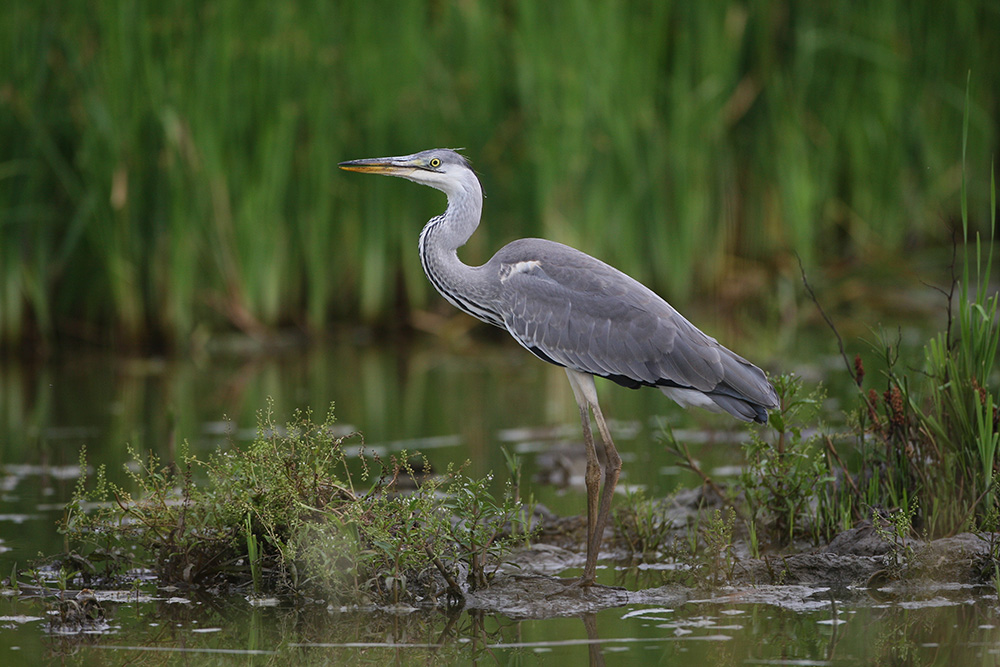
[895, 528]
[719, 544]
[782, 477]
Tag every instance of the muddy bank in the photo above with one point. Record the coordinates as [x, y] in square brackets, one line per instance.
[860, 563]
[855, 563]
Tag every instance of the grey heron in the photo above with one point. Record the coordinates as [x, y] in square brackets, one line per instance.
[575, 311]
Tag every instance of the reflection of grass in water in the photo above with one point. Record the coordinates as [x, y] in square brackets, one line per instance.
[307, 632]
[170, 168]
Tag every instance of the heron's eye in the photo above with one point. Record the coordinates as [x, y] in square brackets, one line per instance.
[435, 162]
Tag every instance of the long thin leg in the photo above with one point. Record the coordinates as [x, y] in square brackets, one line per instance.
[593, 643]
[597, 511]
[612, 469]
[593, 475]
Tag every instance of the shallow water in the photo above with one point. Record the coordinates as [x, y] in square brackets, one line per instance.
[804, 627]
[453, 403]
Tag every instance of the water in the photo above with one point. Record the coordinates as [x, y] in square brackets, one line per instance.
[453, 404]
[823, 628]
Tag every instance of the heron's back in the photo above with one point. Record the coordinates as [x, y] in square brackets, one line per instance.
[574, 310]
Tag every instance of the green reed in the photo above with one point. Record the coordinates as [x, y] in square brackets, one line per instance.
[931, 437]
[169, 169]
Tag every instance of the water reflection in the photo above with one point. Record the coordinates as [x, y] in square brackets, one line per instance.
[688, 633]
[453, 405]
[390, 394]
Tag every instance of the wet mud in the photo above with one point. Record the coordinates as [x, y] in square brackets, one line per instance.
[859, 564]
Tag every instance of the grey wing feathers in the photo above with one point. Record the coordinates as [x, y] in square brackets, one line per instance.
[573, 310]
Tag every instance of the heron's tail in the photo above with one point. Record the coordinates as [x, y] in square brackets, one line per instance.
[741, 409]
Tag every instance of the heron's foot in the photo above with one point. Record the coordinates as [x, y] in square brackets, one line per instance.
[579, 587]
[570, 586]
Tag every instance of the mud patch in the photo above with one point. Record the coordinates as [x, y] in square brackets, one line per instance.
[539, 596]
[855, 565]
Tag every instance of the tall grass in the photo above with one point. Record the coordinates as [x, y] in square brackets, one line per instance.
[932, 437]
[168, 169]
[961, 364]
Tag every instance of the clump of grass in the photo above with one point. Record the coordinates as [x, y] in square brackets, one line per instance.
[718, 538]
[702, 551]
[935, 433]
[286, 515]
[989, 531]
[786, 481]
[642, 526]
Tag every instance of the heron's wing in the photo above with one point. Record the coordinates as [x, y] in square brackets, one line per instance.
[573, 310]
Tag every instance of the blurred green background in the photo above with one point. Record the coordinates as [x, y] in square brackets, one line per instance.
[168, 169]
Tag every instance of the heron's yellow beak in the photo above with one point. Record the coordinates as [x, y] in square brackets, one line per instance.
[389, 166]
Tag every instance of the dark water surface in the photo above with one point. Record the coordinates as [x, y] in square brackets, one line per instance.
[838, 629]
[452, 402]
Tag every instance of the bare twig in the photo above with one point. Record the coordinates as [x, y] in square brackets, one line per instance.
[826, 318]
[840, 341]
[833, 452]
[453, 586]
[951, 291]
[681, 451]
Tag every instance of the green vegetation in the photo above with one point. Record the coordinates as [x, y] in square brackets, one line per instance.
[896, 529]
[701, 552]
[169, 168]
[718, 537]
[926, 444]
[642, 527]
[924, 448]
[286, 515]
[933, 435]
[783, 476]
[918, 456]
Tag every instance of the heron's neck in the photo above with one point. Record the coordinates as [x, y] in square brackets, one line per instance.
[464, 286]
[461, 218]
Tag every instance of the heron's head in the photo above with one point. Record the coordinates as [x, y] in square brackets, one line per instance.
[440, 168]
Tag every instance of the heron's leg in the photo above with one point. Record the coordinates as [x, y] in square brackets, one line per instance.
[612, 469]
[593, 480]
[586, 398]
